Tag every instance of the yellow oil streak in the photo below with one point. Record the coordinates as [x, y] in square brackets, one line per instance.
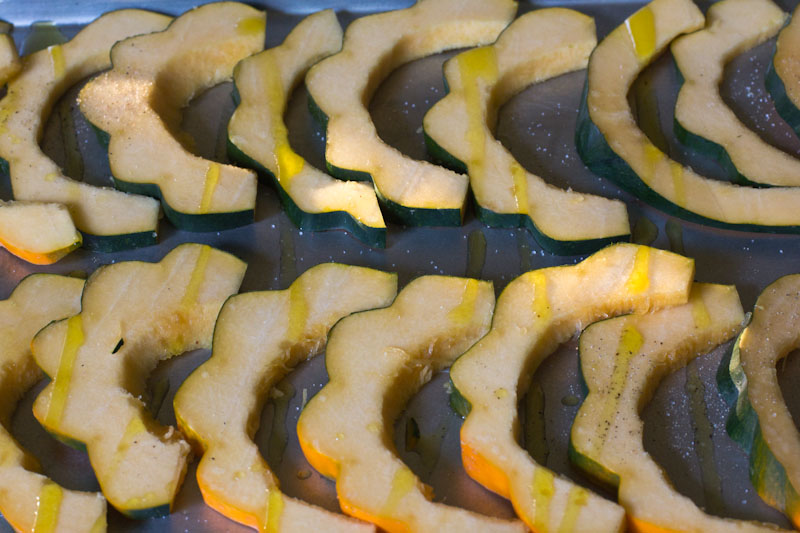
[541, 307]
[251, 25]
[274, 511]
[58, 399]
[639, 279]
[57, 58]
[47, 508]
[542, 494]
[198, 273]
[476, 64]
[642, 31]
[678, 183]
[298, 313]
[462, 314]
[577, 498]
[212, 179]
[404, 481]
[700, 314]
[287, 162]
[520, 187]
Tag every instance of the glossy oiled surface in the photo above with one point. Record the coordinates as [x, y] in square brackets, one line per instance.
[538, 127]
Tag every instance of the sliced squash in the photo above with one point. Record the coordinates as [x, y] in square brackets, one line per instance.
[258, 339]
[133, 315]
[109, 220]
[30, 501]
[782, 74]
[612, 145]
[760, 420]
[539, 45]
[257, 136]
[622, 361]
[377, 360]
[416, 193]
[10, 64]
[138, 102]
[36, 232]
[535, 313]
[702, 119]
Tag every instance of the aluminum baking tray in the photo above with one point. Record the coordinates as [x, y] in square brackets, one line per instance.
[684, 423]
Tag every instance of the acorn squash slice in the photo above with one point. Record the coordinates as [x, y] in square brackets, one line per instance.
[539, 45]
[109, 220]
[760, 421]
[416, 193]
[622, 361]
[783, 73]
[30, 501]
[703, 121]
[36, 232]
[257, 136]
[612, 145]
[133, 315]
[377, 360]
[258, 339]
[535, 313]
[138, 102]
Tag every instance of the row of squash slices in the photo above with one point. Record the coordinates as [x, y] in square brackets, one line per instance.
[99, 340]
[135, 107]
[532, 315]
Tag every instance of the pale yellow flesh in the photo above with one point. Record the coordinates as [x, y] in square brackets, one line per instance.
[785, 59]
[343, 84]
[24, 501]
[264, 83]
[258, 339]
[138, 102]
[39, 233]
[10, 64]
[535, 313]
[45, 76]
[623, 361]
[770, 337]
[159, 310]
[732, 27]
[376, 361]
[537, 46]
[613, 67]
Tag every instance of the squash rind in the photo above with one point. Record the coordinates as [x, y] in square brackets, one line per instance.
[787, 102]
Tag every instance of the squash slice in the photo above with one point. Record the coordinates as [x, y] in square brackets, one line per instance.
[133, 315]
[612, 145]
[109, 220]
[30, 501]
[137, 103]
[38, 233]
[702, 119]
[760, 421]
[539, 45]
[622, 361]
[416, 193]
[257, 136]
[258, 338]
[535, 313]
[377, 360]
[783, 73]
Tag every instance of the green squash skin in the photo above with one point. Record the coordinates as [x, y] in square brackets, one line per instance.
[766, 473]
[401, 214]
[520, 220]
[603, 161]
[709, 148]
[783, 105]
[458, 402]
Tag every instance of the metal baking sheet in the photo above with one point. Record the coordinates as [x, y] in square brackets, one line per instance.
[684, 424]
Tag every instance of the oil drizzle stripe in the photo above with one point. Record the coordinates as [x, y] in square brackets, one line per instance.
[542, 493]
[49, 503]
[198, 273]
[641, 28]
[212, 179]
[298, 313]
[57, 57]
[58, 399]
[541, 307]
[576, 499]
[403, 482]
[462, 314]
[639, 279]
[474, 65]
[274, 511]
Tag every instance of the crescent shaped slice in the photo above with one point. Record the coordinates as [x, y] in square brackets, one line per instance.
[537, 46]
[535, 313]
[622, 361]
[612, 145]
[30, 501]
[259, 337]
[377, 360]
[759, 420]
[36, 232]
[702, 119]
[258, 138]
[138, 105]
[782, 74]
[416, 193]
[109, 220]
[133, 315]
